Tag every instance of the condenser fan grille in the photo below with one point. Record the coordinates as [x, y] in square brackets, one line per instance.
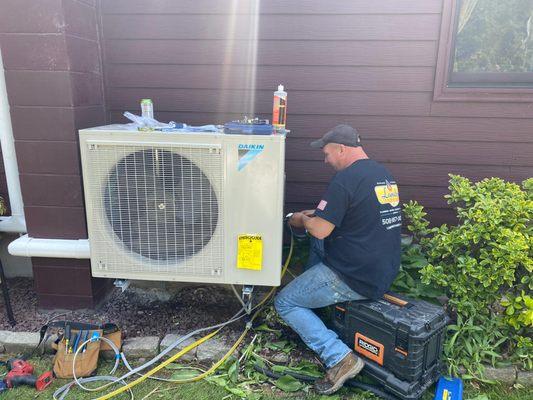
[161, 206]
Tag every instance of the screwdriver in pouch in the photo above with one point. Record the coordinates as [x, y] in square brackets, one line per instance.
[67, 338]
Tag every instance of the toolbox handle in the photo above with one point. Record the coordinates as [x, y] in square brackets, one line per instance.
[395, 300]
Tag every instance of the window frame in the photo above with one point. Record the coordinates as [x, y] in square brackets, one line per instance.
[444, 92]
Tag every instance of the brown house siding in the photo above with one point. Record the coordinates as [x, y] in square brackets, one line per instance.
[369, 64]
[51, 51]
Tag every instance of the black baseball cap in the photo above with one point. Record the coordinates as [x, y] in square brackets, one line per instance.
[341, 134]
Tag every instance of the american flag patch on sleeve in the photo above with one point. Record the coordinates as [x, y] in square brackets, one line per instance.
[322, 205]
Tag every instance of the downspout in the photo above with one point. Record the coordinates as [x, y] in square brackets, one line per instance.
[16, 222]
[26, 246]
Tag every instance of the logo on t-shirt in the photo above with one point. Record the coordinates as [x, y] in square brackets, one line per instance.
[387, 193]
[322, 205]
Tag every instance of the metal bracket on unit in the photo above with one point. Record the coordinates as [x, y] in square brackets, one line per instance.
[123, 284]
[247, 292]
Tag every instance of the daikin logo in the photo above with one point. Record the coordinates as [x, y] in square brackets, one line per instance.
[251, 146]
[247, 152]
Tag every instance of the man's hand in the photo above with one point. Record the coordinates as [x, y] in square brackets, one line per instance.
[296, 220]
[316, 226]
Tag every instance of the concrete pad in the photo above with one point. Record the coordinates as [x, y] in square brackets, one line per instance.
[171, 338]
[212, 350]
[18, 342]
[505, 375]
[139, 347]
[525, 378]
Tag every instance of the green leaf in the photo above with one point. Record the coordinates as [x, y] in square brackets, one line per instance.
[280, 369]
[288, 383]
[186, 373]
[233, 372]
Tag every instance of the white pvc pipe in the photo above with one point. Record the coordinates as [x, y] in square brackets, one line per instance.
[56, 248]
[16, 222]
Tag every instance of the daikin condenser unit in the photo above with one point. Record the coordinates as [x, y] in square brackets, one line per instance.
[191, 207]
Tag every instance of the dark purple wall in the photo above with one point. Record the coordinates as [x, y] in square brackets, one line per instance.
[368, 64]
[51, 55]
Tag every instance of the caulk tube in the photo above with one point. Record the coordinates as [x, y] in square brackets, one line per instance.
[279, 111]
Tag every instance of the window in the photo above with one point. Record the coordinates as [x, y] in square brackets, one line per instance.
[486, 46]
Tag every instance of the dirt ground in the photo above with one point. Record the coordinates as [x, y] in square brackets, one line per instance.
[138, 312]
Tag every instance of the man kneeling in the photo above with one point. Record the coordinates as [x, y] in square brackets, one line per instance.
[359, 220]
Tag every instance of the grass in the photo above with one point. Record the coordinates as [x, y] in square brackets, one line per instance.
[154, 390]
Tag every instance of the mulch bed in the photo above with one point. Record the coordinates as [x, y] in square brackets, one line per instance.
[135, 310]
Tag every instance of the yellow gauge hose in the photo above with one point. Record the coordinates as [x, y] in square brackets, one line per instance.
[200, 341]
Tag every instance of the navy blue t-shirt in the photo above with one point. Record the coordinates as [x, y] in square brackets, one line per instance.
[363, 203]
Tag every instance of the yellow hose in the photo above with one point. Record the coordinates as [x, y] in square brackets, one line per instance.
[199, 342]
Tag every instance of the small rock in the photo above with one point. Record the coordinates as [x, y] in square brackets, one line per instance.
[141, 346]
[212, 350]
[505, 375]
[279, 358]
[18, 342]
[171, 338]
[525, 378]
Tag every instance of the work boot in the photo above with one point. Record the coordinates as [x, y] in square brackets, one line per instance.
[335, 377]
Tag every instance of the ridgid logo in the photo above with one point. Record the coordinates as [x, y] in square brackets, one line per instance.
[247, 152]
[369, 348]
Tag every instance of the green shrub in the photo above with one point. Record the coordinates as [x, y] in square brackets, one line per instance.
[488, 253]
[484, 263]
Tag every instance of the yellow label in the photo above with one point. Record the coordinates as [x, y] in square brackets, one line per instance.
[445, 395]
[387, 194]
[250, 252]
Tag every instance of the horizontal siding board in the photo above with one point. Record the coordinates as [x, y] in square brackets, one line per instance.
[411, 174]
[520, 174]
[66, 301]
[39, 88]
[419, 128]
[430, 152]
[53, 190]
[80, 19]
[273, 27]
[56, 222]
[79, 281]
[30, 16]
[471, 109]
[42, 157]
[271, 7]
[268, 77]
[272, 52]
[34, 51]
[234, 101]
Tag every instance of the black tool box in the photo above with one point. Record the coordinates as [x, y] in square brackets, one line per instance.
[399, 339]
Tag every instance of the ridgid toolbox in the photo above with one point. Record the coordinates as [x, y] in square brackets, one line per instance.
[399, 339]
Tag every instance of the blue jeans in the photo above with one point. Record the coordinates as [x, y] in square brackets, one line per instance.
[317, 287]
[316, 252]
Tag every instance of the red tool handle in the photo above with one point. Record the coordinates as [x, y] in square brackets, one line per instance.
[39, 383]
[44, 380]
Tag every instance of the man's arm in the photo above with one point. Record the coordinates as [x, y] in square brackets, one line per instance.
[316, 226]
